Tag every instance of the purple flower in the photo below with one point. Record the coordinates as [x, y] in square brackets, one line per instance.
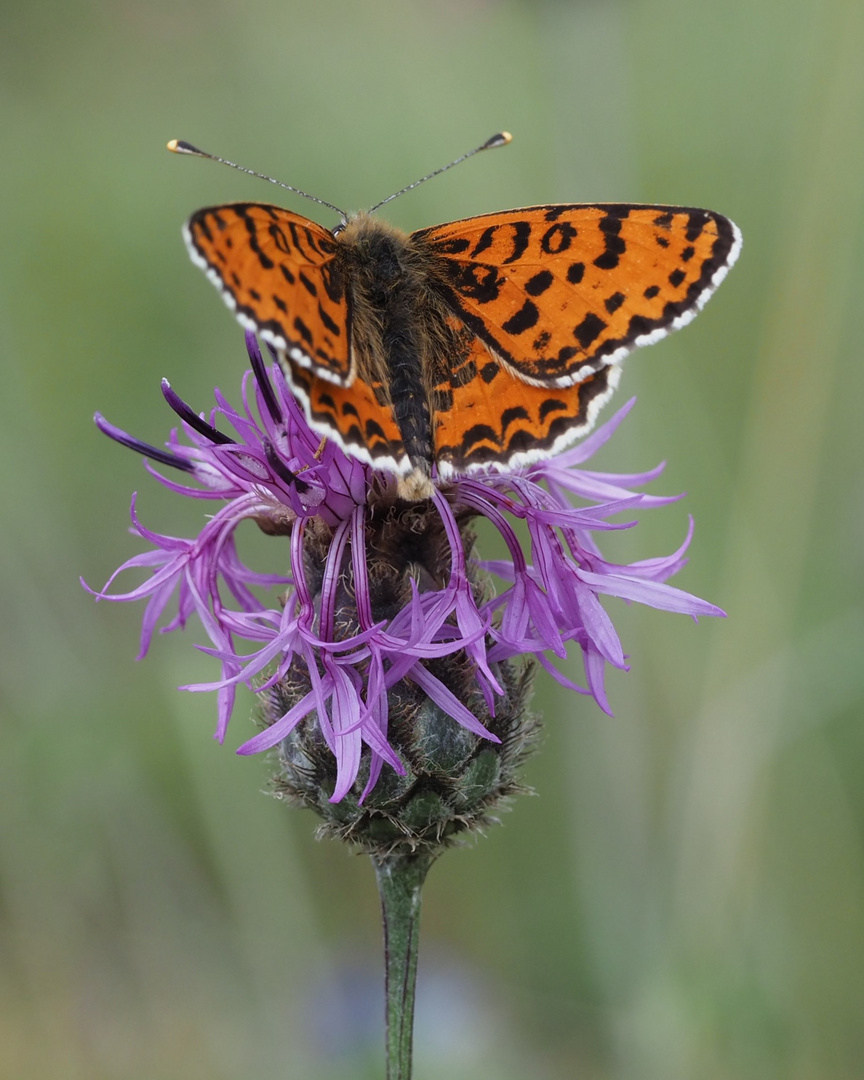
[380, 601]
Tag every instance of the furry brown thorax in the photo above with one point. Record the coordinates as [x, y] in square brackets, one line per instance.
[400, 334]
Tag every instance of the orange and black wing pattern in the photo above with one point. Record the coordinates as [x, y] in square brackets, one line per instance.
[559, 292]
[487, 417]
[358, 418]
[276, 272]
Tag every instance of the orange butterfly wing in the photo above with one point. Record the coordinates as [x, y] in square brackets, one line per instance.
[274, 270]
[359, 417]
[559, 292]
[485, 416]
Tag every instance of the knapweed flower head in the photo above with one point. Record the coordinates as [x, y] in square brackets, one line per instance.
[391, 664]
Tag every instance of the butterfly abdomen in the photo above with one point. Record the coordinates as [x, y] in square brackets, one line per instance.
[389, 331]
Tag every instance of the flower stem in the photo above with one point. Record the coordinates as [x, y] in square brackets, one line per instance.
[400, 881]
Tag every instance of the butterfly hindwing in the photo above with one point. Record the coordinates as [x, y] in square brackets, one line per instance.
[485, 416]
[358, 418]
[275, 270]
[559, 292]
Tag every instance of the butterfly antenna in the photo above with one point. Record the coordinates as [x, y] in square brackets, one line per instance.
[178, 146]
[501, 139]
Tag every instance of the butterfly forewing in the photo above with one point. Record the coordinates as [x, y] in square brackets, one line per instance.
[562, 291]
[275, 270]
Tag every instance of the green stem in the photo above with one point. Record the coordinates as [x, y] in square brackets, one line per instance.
[400, 881]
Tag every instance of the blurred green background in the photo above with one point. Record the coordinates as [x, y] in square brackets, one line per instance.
[685, 898]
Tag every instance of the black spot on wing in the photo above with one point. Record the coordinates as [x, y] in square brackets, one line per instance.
[333, 285]
[521, 236]
[243, 211]
[613, 302]
[551, 405]
[311, 240]
[558, 238]
[696, 222]
[510, 416]
[523, 320]
[303, 330]
[308, 284]
[456, 246]
[591, 327]
[610, 226]
[484, 242]
[329, 323]
[280, 239]
[453, 247]
[298, 243]
[199, 224]
[479, 433]
[575, 272]
[639, 326]
[477, 281]
[539, 283]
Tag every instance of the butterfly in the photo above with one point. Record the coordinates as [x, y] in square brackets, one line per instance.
[490, 342]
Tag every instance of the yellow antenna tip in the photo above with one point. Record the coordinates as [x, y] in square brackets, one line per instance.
[501, 139]
[180, 146]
